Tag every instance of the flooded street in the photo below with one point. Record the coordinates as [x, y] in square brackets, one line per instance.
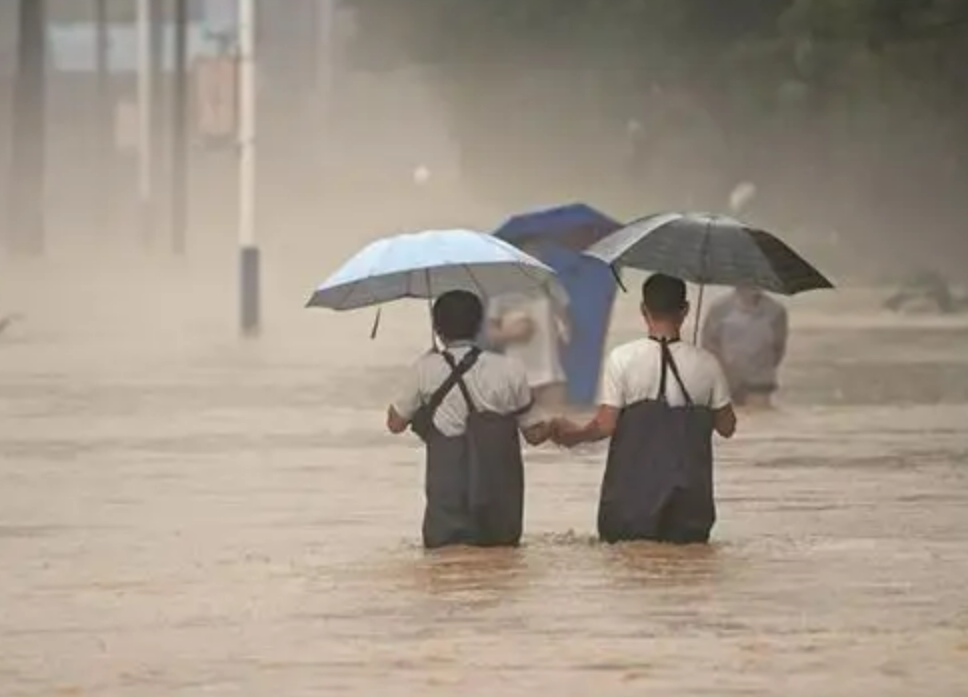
[203, 517]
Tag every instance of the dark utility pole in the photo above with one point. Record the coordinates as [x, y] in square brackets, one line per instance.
[103, 111]
[27, 177]
[150, 93]
[179, 132]
[156, 38]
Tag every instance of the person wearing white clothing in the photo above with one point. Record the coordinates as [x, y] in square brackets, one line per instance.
[530, 329]
[747, 331]
[632, 373]
[470, 408]
[661, 401]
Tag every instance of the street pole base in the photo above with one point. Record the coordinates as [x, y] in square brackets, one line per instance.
[249, 291]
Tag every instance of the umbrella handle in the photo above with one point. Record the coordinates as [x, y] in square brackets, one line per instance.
[433, 334]
[702, 286]
[695, 329]
[430, 310]
[376, 323]
[618, 278]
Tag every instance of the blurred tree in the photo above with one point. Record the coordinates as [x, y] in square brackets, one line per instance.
[860, 104]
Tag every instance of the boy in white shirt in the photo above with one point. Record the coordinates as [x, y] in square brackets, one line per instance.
[661, 400]
[470, 407]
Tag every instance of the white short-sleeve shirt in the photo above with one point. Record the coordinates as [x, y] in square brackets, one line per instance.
[540, 353]
[632, 373]
[495, 383]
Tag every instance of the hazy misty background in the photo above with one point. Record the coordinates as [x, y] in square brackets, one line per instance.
[848, 115]
[184, 512]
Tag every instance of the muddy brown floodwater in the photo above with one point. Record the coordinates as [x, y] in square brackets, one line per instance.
[203, 517]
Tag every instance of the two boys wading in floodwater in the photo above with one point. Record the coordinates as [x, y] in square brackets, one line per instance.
[661, 401]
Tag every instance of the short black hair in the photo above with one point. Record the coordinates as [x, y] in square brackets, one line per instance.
[663, 295]
[458, 315]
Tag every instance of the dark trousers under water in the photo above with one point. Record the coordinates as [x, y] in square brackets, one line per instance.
[475, 485]
[658, 482]
[681, 519]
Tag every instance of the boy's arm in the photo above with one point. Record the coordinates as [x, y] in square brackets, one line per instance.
[721, 402]
[603, 424]
[403, 408]
[534, 425]
[601, 427]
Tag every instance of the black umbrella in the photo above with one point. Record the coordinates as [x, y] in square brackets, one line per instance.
[709, 249]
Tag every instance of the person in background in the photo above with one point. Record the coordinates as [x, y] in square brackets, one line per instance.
[747, 331]
[661, 400]
[468, 406]
[531, 328]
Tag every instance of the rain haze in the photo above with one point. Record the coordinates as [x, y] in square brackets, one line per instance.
[186, 510]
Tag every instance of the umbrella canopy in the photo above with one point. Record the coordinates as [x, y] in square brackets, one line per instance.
[709, 249]
[558, 236]
[573, 225]
[428, 264]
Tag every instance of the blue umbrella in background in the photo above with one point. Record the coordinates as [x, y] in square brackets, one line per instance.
[557, 236]
[573, 225]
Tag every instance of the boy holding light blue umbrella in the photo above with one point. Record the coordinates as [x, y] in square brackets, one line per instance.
[470, 407]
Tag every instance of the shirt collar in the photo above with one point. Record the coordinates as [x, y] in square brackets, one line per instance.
[458, 345]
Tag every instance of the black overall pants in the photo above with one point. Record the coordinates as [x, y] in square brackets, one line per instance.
[658, 482]
[474, 482]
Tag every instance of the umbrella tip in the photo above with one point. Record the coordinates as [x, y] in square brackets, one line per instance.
[618, 278]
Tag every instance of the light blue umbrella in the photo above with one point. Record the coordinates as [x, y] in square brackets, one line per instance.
[428, 264]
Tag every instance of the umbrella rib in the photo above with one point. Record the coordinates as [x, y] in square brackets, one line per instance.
[767, 261]
[350, 289]
[520, 269]
[794, 273]
[477, 283]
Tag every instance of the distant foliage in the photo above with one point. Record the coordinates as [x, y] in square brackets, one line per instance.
[846, 112]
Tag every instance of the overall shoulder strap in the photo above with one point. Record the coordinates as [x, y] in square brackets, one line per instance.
[668, 365]
[663, 370]
[671, 363]
[458, 373]
[456, 377]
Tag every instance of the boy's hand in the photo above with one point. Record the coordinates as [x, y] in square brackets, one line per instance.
[565, 432]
